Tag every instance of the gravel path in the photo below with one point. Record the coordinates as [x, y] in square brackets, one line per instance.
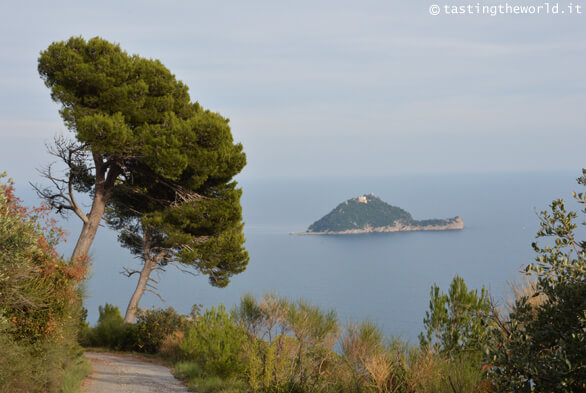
[127, 374]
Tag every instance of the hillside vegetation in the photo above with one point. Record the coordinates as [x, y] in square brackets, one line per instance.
[368, 212]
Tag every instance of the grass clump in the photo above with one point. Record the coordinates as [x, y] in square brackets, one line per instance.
[75, 374]
[198, 381]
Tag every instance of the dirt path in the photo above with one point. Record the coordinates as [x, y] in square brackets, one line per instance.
[127, 374]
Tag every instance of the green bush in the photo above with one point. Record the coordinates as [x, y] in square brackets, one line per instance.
[154, 326]
[84, 332]
[111, 331]
[269, 366]
[187, 369]
[75, 374]
[150, 331]
[199, 382]
[457, 323]
[17, 364]
[289, 346]
[215, 342]
[543, 344]
[430, 373]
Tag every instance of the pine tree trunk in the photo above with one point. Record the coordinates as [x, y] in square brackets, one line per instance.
[143, 280]
[89, 229]
[105, 178]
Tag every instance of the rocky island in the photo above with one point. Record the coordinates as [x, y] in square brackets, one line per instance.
[368, 213]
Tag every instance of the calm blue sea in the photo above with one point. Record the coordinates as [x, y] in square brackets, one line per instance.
[384, 277]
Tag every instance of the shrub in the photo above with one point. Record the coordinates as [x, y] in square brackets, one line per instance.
[289, 345]
[269, 365]
[424, 369]
[430, 373]
[372, 365]
[457, 322]
[214, 341]
[17, 364]
[170, 346]
[197, 381]
[111, 331]
[154, 326]
[39, 301]
[316, 333]
[542, 344]
[75, 374]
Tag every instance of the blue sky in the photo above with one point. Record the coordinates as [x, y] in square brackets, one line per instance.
[329, 88]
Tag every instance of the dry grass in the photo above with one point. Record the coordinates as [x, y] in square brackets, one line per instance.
[524, 286]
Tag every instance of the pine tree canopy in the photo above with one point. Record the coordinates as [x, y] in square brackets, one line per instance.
[157, 161]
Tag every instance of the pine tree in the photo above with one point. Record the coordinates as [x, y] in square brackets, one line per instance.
[160, 164]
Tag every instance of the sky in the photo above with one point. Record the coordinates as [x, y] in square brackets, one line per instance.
[329, 88]
[325, 88]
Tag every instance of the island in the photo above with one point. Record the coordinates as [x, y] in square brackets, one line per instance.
[368, 214]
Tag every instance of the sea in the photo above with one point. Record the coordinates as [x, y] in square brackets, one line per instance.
[381, 277]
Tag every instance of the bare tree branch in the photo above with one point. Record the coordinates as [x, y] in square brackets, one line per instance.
[129, 272]
[155, 293]
[176, 265]
[61, 195]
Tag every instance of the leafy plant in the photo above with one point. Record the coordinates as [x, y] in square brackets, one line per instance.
[153, 326]
[375, 366]
[39, 299]
[289, 345]
[214, 341]
[111, 331]
[457, 322]
[543, 344]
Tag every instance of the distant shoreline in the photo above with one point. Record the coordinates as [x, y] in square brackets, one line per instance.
[456, 225]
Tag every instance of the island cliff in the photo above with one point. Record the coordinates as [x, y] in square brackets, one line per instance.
[368, 213]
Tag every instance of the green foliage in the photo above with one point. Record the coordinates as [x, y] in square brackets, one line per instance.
[214, 341]
[118, 105]
[269, 365]
[162, 164]
[289, 344]
[39, 301]
[429, 373]
[79, 369]
[353, 214]
[153, 326]
[372, 365]
[545, 344]
[151, 330]
[269, 354]
[18, 365]
[457, 322]
[316, 333]
[199, 382]
[111, 331]
[277, 345]
[367, 211]
[187, 369]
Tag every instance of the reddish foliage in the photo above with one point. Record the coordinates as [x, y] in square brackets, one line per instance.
[43, 267]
